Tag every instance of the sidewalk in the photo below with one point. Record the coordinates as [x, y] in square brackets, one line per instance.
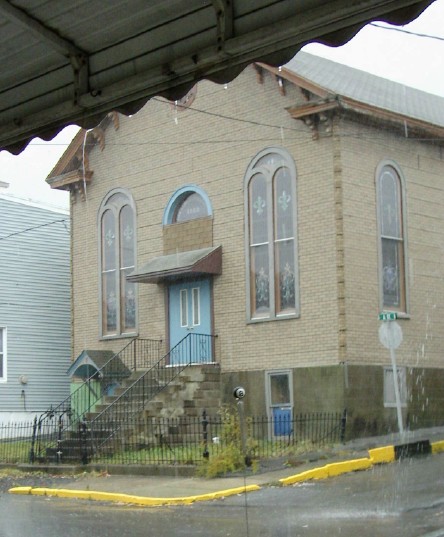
[358, 454]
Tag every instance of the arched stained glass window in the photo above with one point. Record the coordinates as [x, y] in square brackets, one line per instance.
[270, 209]
[117, 221]
[190, 207]
[188, 203]
[392, 238]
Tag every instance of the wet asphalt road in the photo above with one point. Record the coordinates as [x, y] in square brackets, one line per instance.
[404, 499]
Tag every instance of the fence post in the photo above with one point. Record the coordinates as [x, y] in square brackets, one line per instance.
[34, 432]
[83, 442]
[206, 453]
[343, 424]
[59, 439]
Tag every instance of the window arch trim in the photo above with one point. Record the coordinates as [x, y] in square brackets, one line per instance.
[254, 169]
[403, 308]
[106, 205]
[177, 198]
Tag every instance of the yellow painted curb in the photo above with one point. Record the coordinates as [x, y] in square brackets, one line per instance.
[128, 498]
[315, 473]
[329, 470]
[438, 447]
[338, 468]
[382, 455]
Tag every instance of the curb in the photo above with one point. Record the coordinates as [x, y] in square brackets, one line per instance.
[381, 455]
[128, 498]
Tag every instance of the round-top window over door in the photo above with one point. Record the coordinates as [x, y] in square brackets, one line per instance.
[190, 207]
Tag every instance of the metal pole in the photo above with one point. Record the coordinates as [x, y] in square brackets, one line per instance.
[397, 393]
[395, 377]
[343, 424]
[240, 408]
[206, 453]
[34, 433]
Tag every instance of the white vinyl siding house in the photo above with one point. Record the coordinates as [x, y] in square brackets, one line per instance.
[34, 308]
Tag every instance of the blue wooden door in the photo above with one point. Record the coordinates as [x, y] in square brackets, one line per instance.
[190, 315]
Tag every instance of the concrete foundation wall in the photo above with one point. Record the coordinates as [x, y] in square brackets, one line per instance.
[358, 389]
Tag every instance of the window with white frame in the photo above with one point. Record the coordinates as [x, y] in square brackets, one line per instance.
[279, 396]
[270, 222]
[391, 207]
[389, 387]
[117, 254]
[2, 354]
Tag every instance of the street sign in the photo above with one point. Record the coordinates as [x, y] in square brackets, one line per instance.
[388, 316]
[390, 335]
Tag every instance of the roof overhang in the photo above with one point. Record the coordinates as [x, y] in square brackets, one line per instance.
[89, 362]
[191, 264]
[59, 66]
[100, 365]
[341, 102]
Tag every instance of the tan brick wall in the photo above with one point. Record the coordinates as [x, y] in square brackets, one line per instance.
[157, 151]
[186, 236]
[153, 155]
[422, 166]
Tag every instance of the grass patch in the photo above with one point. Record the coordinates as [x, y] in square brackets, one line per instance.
[14, 452]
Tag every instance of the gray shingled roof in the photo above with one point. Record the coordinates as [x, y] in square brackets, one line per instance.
[372, 90]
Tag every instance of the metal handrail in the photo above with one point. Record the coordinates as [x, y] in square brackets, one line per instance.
[193, 348]
[137, 353]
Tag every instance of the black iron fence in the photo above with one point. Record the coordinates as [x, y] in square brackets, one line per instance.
[185, 440]
[56, 424]
[15, 442]
[115, 420]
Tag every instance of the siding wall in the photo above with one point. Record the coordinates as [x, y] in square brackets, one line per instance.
[34, 306]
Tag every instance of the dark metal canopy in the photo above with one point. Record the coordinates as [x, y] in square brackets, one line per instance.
[193, 263]
[73, 62]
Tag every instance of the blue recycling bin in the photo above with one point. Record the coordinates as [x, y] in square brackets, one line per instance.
[282, 425]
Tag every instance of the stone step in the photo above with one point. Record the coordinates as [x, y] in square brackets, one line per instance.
[195, 389]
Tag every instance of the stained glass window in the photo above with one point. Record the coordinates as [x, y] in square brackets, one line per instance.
[118, 246]
[270, 220]
[393, 277]
[192, 206]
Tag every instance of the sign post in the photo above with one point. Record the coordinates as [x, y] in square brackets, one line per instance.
[390, 335]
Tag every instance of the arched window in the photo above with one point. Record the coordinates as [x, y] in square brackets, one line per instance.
[117, 256]
[391, 220]
[188, 203]
[270, 209]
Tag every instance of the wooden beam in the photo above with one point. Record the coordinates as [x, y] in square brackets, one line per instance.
[298, 112]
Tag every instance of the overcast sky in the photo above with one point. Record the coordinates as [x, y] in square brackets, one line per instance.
[413, 60]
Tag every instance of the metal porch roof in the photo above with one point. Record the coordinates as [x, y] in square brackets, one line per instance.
[73, 62]
[192, 263]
